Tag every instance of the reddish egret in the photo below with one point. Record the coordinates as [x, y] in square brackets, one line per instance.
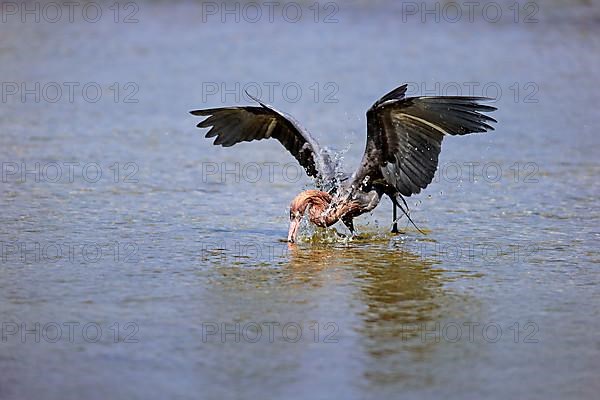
[404, 138]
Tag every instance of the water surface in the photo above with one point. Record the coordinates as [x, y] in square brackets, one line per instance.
[499, 299]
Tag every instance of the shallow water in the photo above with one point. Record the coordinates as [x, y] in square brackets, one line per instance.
[166, 276]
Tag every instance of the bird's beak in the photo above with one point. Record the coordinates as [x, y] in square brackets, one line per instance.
[294, 227]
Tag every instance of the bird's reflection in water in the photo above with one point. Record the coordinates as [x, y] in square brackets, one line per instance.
[384, 298]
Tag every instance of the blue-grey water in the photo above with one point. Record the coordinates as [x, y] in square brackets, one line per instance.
[139, 261]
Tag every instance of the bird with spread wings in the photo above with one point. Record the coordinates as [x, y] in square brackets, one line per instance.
[404, 138]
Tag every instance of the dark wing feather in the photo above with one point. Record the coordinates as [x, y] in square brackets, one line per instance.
[232, 125]
[404, 138]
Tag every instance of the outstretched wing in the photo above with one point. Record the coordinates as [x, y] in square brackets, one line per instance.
[232, 125]
[404, 138]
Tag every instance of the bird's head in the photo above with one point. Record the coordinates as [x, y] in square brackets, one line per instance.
[315, 203]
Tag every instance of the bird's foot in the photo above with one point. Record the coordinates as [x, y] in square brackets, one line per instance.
[395, 230]
[346, 237]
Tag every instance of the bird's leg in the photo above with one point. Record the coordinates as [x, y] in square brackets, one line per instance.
[395, 220]
[349, 224]
[406, 212]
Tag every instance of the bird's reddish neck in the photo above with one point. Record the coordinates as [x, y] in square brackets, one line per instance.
[317, 203]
